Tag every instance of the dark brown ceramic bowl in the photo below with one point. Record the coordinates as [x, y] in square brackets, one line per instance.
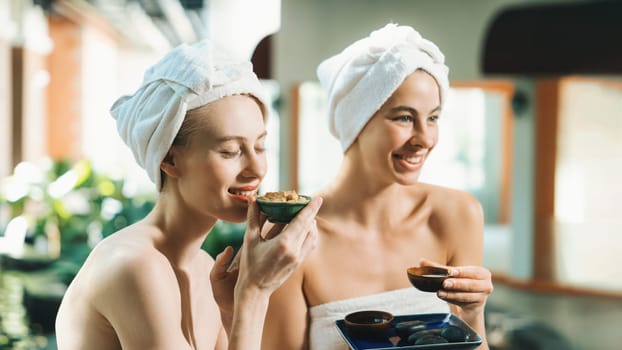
[369, 324]
[427, 278]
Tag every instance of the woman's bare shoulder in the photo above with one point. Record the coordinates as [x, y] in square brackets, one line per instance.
[132, 244]
[454, 210]
[459, 219]
[123, 266]
[450, 201]
[127, 255]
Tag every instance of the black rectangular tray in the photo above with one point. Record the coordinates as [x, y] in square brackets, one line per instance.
[392, 342]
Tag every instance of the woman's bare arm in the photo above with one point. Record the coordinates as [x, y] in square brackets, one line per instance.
[140, 298]
[470, 285]
[265, 264]
[287, 311]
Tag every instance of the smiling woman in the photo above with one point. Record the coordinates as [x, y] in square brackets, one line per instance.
[474, 155]
[385, 94]
[197, 127]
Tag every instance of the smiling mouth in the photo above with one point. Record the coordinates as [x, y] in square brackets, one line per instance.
[241, 193]
[414, 160]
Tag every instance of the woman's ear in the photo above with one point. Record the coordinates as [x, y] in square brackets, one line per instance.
[168, 164]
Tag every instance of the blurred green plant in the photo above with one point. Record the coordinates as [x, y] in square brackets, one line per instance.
[68, 207]
[60, 210]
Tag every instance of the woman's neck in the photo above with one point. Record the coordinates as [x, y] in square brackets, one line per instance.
[365, 198]
[182, 231]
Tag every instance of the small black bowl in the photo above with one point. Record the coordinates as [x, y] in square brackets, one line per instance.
[368, 324]
[427, 278]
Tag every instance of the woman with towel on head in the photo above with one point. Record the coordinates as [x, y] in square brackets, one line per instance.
[197, 126]
[385, 95]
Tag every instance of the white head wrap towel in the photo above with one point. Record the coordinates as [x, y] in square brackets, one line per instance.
[361, 78]
[188, 77]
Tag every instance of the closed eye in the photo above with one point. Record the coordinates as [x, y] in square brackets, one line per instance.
[230, 154]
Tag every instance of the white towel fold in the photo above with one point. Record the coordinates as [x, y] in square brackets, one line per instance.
[188, 77]
[361, 78]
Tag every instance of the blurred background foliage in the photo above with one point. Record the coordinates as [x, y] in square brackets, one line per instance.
[52, 214]
[66, 207]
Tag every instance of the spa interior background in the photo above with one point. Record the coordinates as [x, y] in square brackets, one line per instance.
[534, 130]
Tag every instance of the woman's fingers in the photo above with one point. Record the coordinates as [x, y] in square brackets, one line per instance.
[219, 270]
[470, 272]
[468, 285]
[305, 215]
[274, 230]
[268, 262]
[235, 263]
[473, 272]
[298, 228]
[253, 225]
[461, 298]
[310, 242]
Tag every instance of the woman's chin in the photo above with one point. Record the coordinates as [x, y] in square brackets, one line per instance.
[232, 214]
[407, 179]
[235, 218]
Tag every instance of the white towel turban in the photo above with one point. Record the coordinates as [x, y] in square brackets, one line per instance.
[188, 77]
[361, 78]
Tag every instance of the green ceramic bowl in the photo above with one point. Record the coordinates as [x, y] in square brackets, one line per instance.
[281, 212]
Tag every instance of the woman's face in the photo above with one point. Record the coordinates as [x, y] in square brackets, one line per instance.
[225, 159]
[403, 132]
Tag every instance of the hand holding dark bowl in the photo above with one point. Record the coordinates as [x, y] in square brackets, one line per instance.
[427, 278]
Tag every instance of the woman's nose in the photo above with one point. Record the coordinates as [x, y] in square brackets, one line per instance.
[255, 166]
[423, 137]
